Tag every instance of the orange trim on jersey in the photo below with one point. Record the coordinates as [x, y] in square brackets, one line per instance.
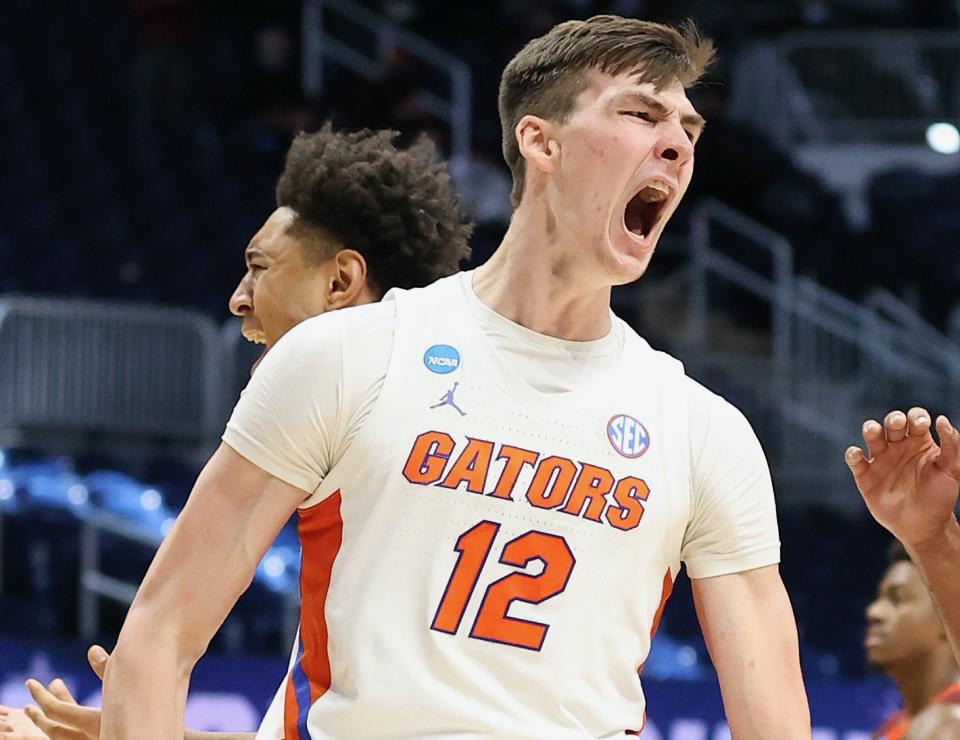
[658, 614]
[950, 695]
[290, 710]
[667, 589]
[321, 533]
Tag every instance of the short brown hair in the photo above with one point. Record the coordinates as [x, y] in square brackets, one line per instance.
[397, 207]
[546, 76]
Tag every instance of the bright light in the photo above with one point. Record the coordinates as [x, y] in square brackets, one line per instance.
[77, 494]
[150, 500]
[6, 489]
[943, 138]
[273, 566]
[687, 656]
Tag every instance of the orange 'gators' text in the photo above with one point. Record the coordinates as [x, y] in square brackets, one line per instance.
[575, 488]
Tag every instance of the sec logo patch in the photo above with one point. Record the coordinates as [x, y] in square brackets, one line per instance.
[628, 436]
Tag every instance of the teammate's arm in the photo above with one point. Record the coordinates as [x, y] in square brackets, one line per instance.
[58, 716]
[750, 633]
[208, 559]
[910, 484]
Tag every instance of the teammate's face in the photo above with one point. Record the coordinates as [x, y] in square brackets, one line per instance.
[280, 288]
[625, 161]
[902, 622]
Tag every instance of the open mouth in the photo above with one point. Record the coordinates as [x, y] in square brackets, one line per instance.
[646, 208]
[253, 334]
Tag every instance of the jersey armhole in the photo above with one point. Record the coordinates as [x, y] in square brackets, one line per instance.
[386, 384]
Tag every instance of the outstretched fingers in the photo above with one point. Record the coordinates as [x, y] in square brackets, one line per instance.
[62, 708]
[51, 729]
[874, 437]
[918, 422]
[97, 658]
[59, 689]
[949, 458]
[856, 461]
[895, 426]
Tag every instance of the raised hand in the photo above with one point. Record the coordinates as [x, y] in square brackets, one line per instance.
[909, 483]
[16, 725]
[58, 714]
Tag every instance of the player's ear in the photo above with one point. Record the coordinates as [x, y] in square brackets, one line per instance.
[348, 281]
[535, 139]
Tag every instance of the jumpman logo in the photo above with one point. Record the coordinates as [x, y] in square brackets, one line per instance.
[447, 400]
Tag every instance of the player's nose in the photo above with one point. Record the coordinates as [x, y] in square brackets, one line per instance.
[874, 612]
[241, 302]
[674, 145]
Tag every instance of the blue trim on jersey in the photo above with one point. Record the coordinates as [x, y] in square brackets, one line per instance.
[301, 689]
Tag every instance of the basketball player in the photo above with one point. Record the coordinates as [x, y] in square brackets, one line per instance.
[496, 572]
[906, 640]
[355, 216]
[909, 484]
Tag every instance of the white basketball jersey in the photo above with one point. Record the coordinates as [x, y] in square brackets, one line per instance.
[486, 560]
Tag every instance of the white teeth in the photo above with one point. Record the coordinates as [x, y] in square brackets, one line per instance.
[655, 191]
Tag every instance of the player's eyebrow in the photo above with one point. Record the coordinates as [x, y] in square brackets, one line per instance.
[635, 96]
[252, 253]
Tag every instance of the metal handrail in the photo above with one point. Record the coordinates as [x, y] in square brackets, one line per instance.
[828, 353]
[95, 584]
[318, 45]
[777, 289]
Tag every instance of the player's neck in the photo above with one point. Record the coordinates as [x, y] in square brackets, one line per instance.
[920, 680]
[530, 281]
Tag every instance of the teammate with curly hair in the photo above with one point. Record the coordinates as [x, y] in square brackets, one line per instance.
[356, 216]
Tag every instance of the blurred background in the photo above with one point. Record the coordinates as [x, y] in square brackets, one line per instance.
[810, 277]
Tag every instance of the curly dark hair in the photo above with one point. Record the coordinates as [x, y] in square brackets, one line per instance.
[395, 206]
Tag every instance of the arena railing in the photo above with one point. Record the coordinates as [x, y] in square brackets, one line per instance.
[320, 43]
[96, 584]
[835, 86]
[827, 362]
[116, 371]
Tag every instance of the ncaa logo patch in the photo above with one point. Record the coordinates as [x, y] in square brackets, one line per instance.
[441, 359]
[628, 436]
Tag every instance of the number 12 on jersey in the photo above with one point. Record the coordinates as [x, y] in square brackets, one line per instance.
[492, 622]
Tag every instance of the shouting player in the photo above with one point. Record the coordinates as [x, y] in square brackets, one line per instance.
[355, 216]
[494, 566]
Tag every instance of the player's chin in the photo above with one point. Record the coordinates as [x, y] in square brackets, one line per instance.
[877, 659]
[629, 260]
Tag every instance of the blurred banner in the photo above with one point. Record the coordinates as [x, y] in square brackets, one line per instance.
[232, 694]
